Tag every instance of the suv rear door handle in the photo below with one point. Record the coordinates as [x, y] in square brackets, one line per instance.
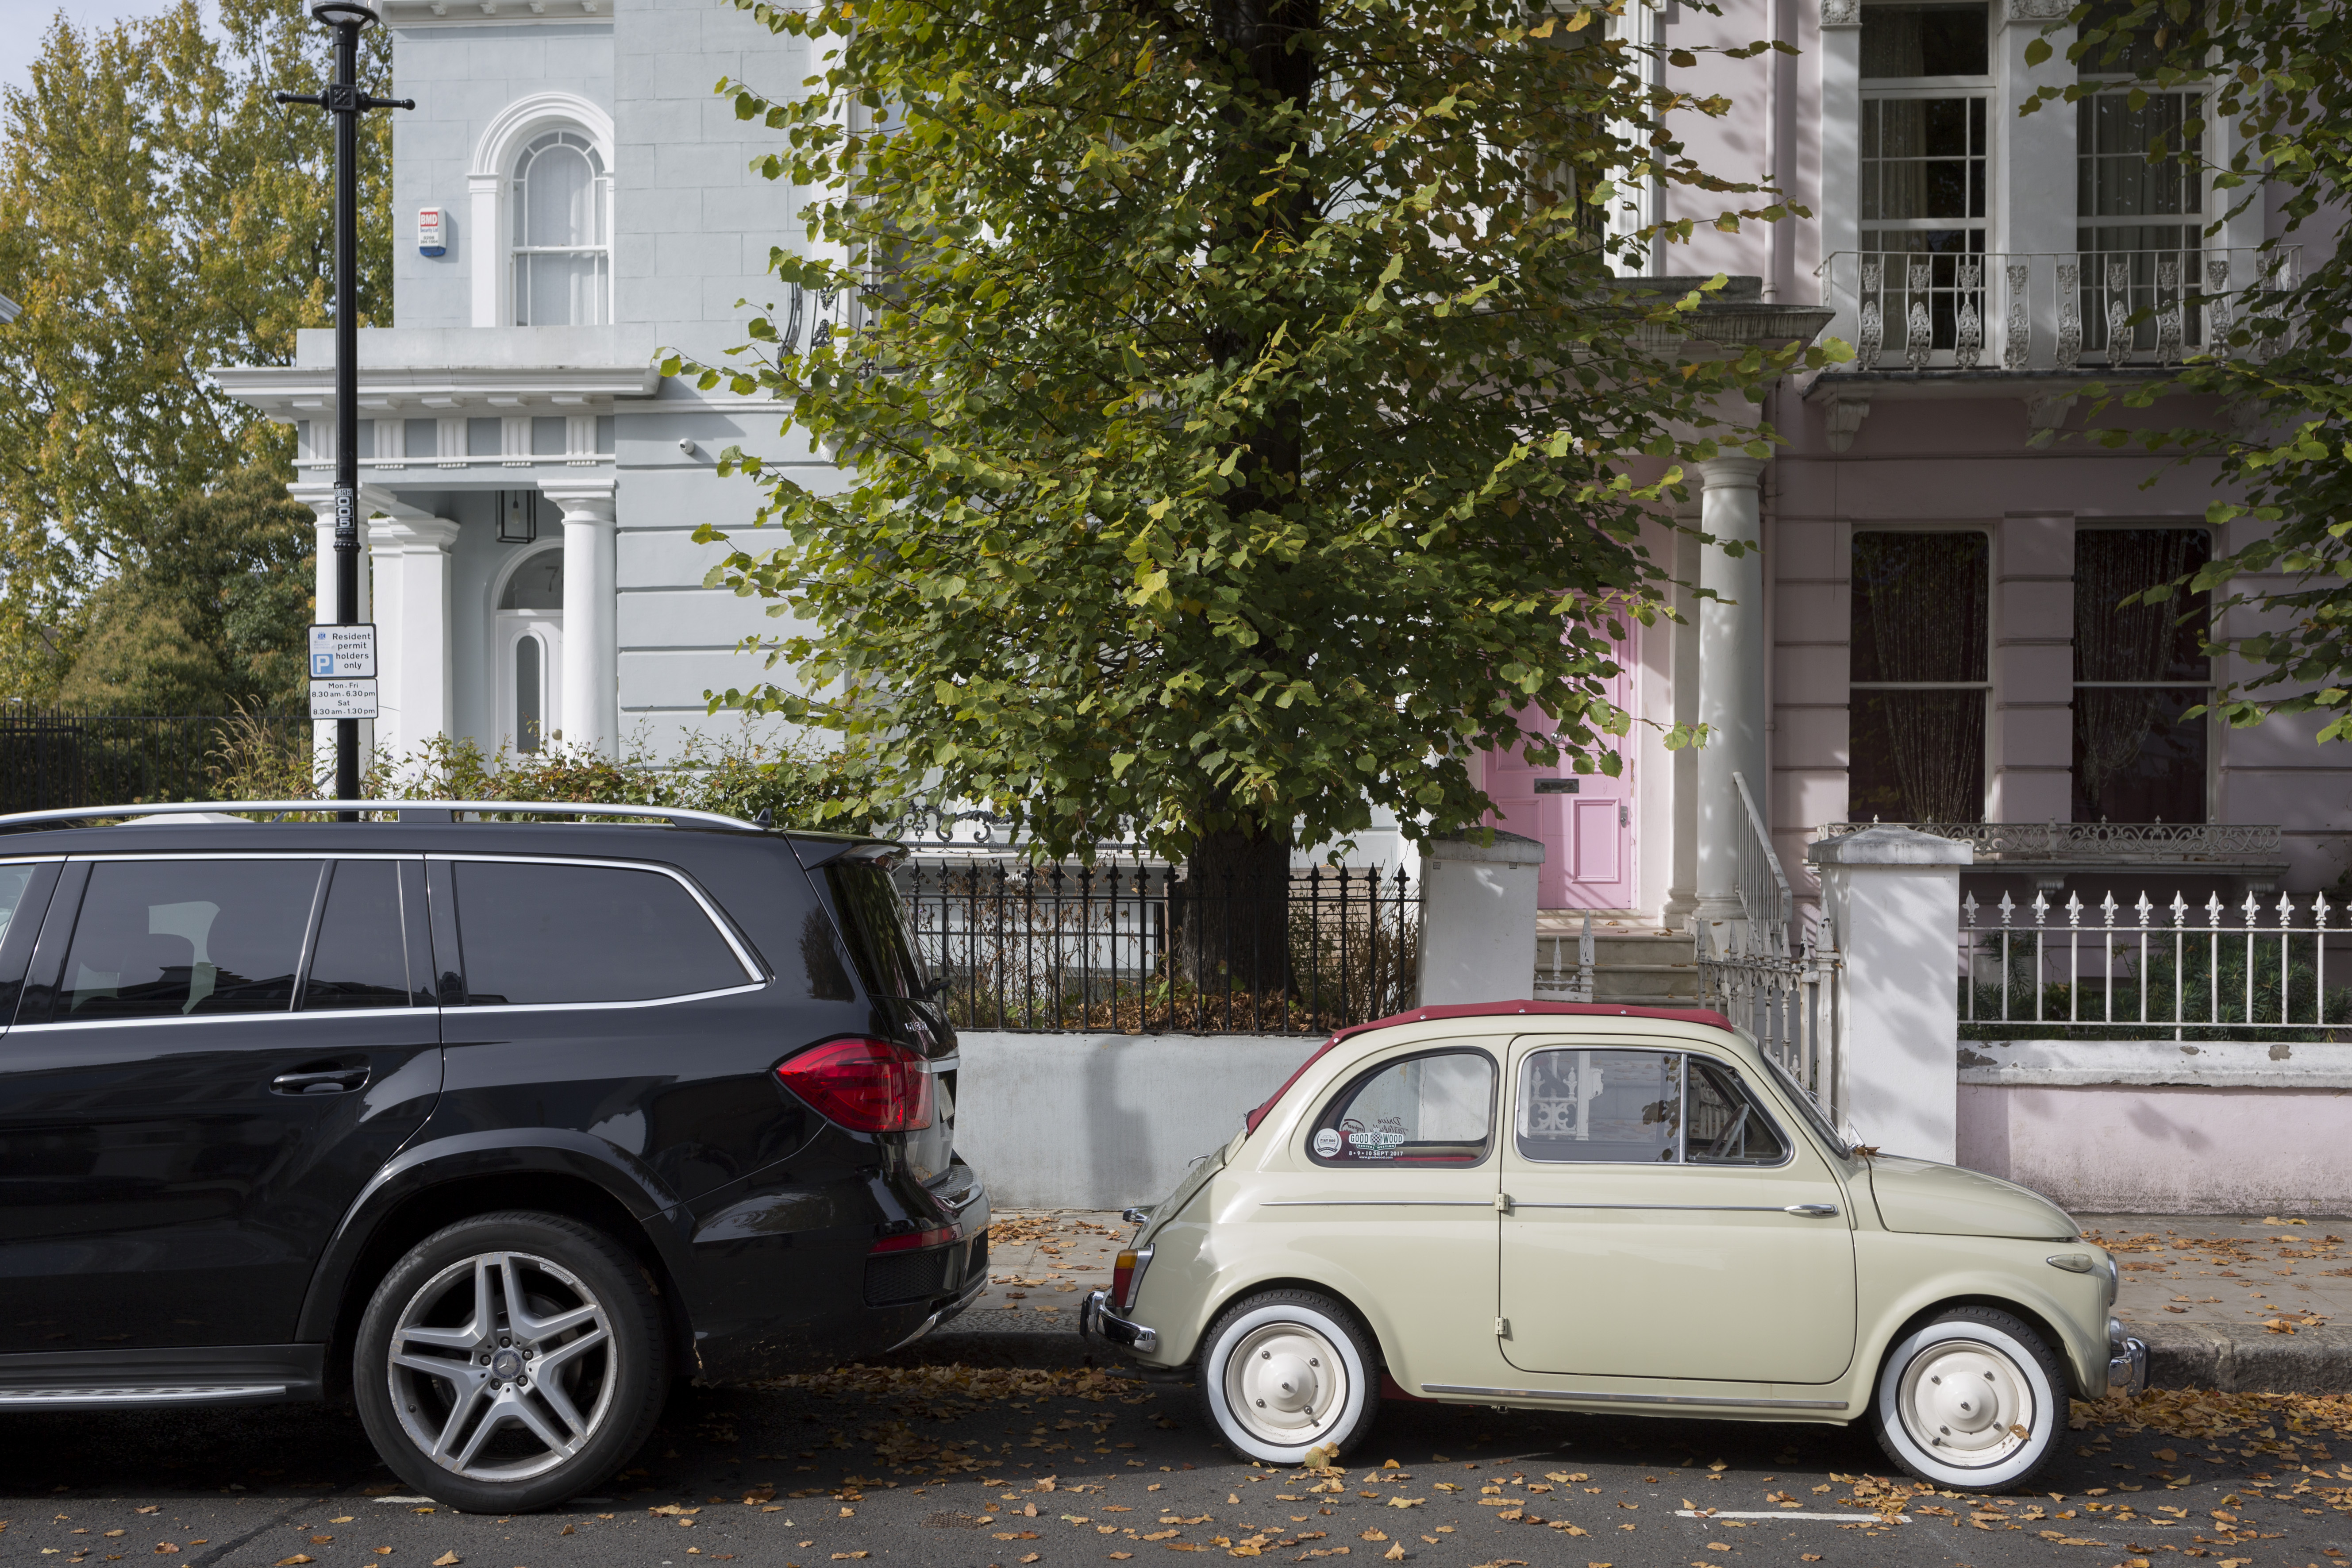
[1812, 1211]
[334, 1080]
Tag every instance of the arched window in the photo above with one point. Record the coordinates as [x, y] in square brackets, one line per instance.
[563, 228]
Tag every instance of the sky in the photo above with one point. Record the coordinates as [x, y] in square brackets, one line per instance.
[23, 23]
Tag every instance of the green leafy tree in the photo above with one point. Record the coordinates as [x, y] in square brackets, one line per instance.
[159, 215]
[1246, 423]
[2278, 73]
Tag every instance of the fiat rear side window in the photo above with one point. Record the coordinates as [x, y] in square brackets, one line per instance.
[1432, 1109]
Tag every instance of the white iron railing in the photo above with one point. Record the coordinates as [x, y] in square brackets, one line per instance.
[1556, 974]
[1789, 1001]
[2027, 312]
[2146, 972]
[1765, 900]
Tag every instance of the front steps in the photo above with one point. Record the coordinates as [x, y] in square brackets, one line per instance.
[1633, 962]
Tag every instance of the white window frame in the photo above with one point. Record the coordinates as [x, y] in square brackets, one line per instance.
[489, 242]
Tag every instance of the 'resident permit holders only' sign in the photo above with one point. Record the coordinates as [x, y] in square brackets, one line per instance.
[343, 653]
[343, 672]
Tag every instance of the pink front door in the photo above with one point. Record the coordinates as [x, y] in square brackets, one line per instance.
[1585, 821]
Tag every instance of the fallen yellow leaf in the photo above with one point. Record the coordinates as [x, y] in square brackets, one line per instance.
[447, 1560]
[294, 1562]
[1393, 1554]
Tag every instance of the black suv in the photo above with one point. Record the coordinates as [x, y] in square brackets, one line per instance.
[495, 1127]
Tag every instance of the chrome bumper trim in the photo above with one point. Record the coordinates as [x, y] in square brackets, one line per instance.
[2126, 1360]
[927, 1325]
[1097, 1322]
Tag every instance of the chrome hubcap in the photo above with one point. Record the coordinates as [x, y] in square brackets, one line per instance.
[1284, 1382]
[502, 1366]
[1967, 1405]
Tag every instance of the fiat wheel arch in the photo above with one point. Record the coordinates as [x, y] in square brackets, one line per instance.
[1228, 1294]
[2050, 1328]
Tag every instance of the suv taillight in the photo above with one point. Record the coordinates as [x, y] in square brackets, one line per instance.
[866, 1085]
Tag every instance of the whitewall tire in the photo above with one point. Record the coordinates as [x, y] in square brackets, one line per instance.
[1284, 1372]
[1972, 1401]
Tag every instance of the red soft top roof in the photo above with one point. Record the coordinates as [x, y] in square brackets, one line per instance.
[1705, 1016]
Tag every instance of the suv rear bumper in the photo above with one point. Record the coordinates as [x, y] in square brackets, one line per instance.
[763, 1298]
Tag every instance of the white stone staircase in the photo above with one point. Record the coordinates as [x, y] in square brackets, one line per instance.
[1633, 962]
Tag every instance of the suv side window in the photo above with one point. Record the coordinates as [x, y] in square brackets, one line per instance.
[1436, 1109]
[361, 956]
[535, 933]
[168, 939]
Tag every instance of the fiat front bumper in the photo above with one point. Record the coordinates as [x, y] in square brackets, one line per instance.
[2126, 1359]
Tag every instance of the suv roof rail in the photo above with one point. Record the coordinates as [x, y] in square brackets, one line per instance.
[428, 810]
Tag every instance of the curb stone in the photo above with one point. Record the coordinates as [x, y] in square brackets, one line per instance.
[2234, 1358]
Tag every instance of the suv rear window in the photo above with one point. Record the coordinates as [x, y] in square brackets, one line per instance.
[539, 933]
[874, 924]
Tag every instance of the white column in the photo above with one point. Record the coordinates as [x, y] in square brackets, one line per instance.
[592, 710]
[1894, 894]
[1681, 893]
[321, 500]
[416, 687]
[1478, 918]
[1731, 660]
[1841, 214]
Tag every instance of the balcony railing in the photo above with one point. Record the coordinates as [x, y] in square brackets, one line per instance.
[2043, 312]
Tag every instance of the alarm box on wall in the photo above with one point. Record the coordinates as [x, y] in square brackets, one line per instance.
[430, 234]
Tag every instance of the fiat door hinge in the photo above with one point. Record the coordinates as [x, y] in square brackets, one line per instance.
[1502, 1203]
[1502, 1328]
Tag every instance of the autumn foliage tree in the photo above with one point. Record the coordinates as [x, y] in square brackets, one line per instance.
[161, 215]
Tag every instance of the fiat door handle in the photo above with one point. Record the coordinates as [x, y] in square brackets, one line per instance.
[334, 1080]
[1812, 1211]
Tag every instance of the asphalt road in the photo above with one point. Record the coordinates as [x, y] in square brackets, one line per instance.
[943, 1464]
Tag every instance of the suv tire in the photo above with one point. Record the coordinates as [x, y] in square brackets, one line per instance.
[1287, 1372]
[1971, 1400]
[509, 1361]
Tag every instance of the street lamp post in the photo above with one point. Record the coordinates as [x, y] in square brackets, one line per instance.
[346, 101]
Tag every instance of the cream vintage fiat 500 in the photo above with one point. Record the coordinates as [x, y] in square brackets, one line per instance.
[1620, 1210]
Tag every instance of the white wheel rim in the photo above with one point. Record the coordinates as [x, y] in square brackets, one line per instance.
[1966, 1405]
[1284, 1382]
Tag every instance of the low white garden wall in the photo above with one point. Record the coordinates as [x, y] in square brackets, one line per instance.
[1100, 1121]
[2162, 1127]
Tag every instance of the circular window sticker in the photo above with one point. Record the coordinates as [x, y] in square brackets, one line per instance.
[1326, 1142]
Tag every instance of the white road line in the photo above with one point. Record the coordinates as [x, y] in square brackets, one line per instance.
[404, 1500]
[1794, 1513]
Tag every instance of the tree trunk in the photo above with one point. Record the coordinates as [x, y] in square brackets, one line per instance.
[1232, 925]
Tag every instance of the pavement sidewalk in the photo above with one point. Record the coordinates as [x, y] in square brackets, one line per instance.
[2252, 1305]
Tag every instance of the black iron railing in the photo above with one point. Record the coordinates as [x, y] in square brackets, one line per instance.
[52, 759]
[1143, 949]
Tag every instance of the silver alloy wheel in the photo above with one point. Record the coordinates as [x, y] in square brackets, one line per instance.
[502, 1366]
[1965, 1402]
[1285, 1381]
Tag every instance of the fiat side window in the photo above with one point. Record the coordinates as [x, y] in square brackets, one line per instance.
[1601, 1107]
[1726, 1126]
[171, 939]
[1432, 1109]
